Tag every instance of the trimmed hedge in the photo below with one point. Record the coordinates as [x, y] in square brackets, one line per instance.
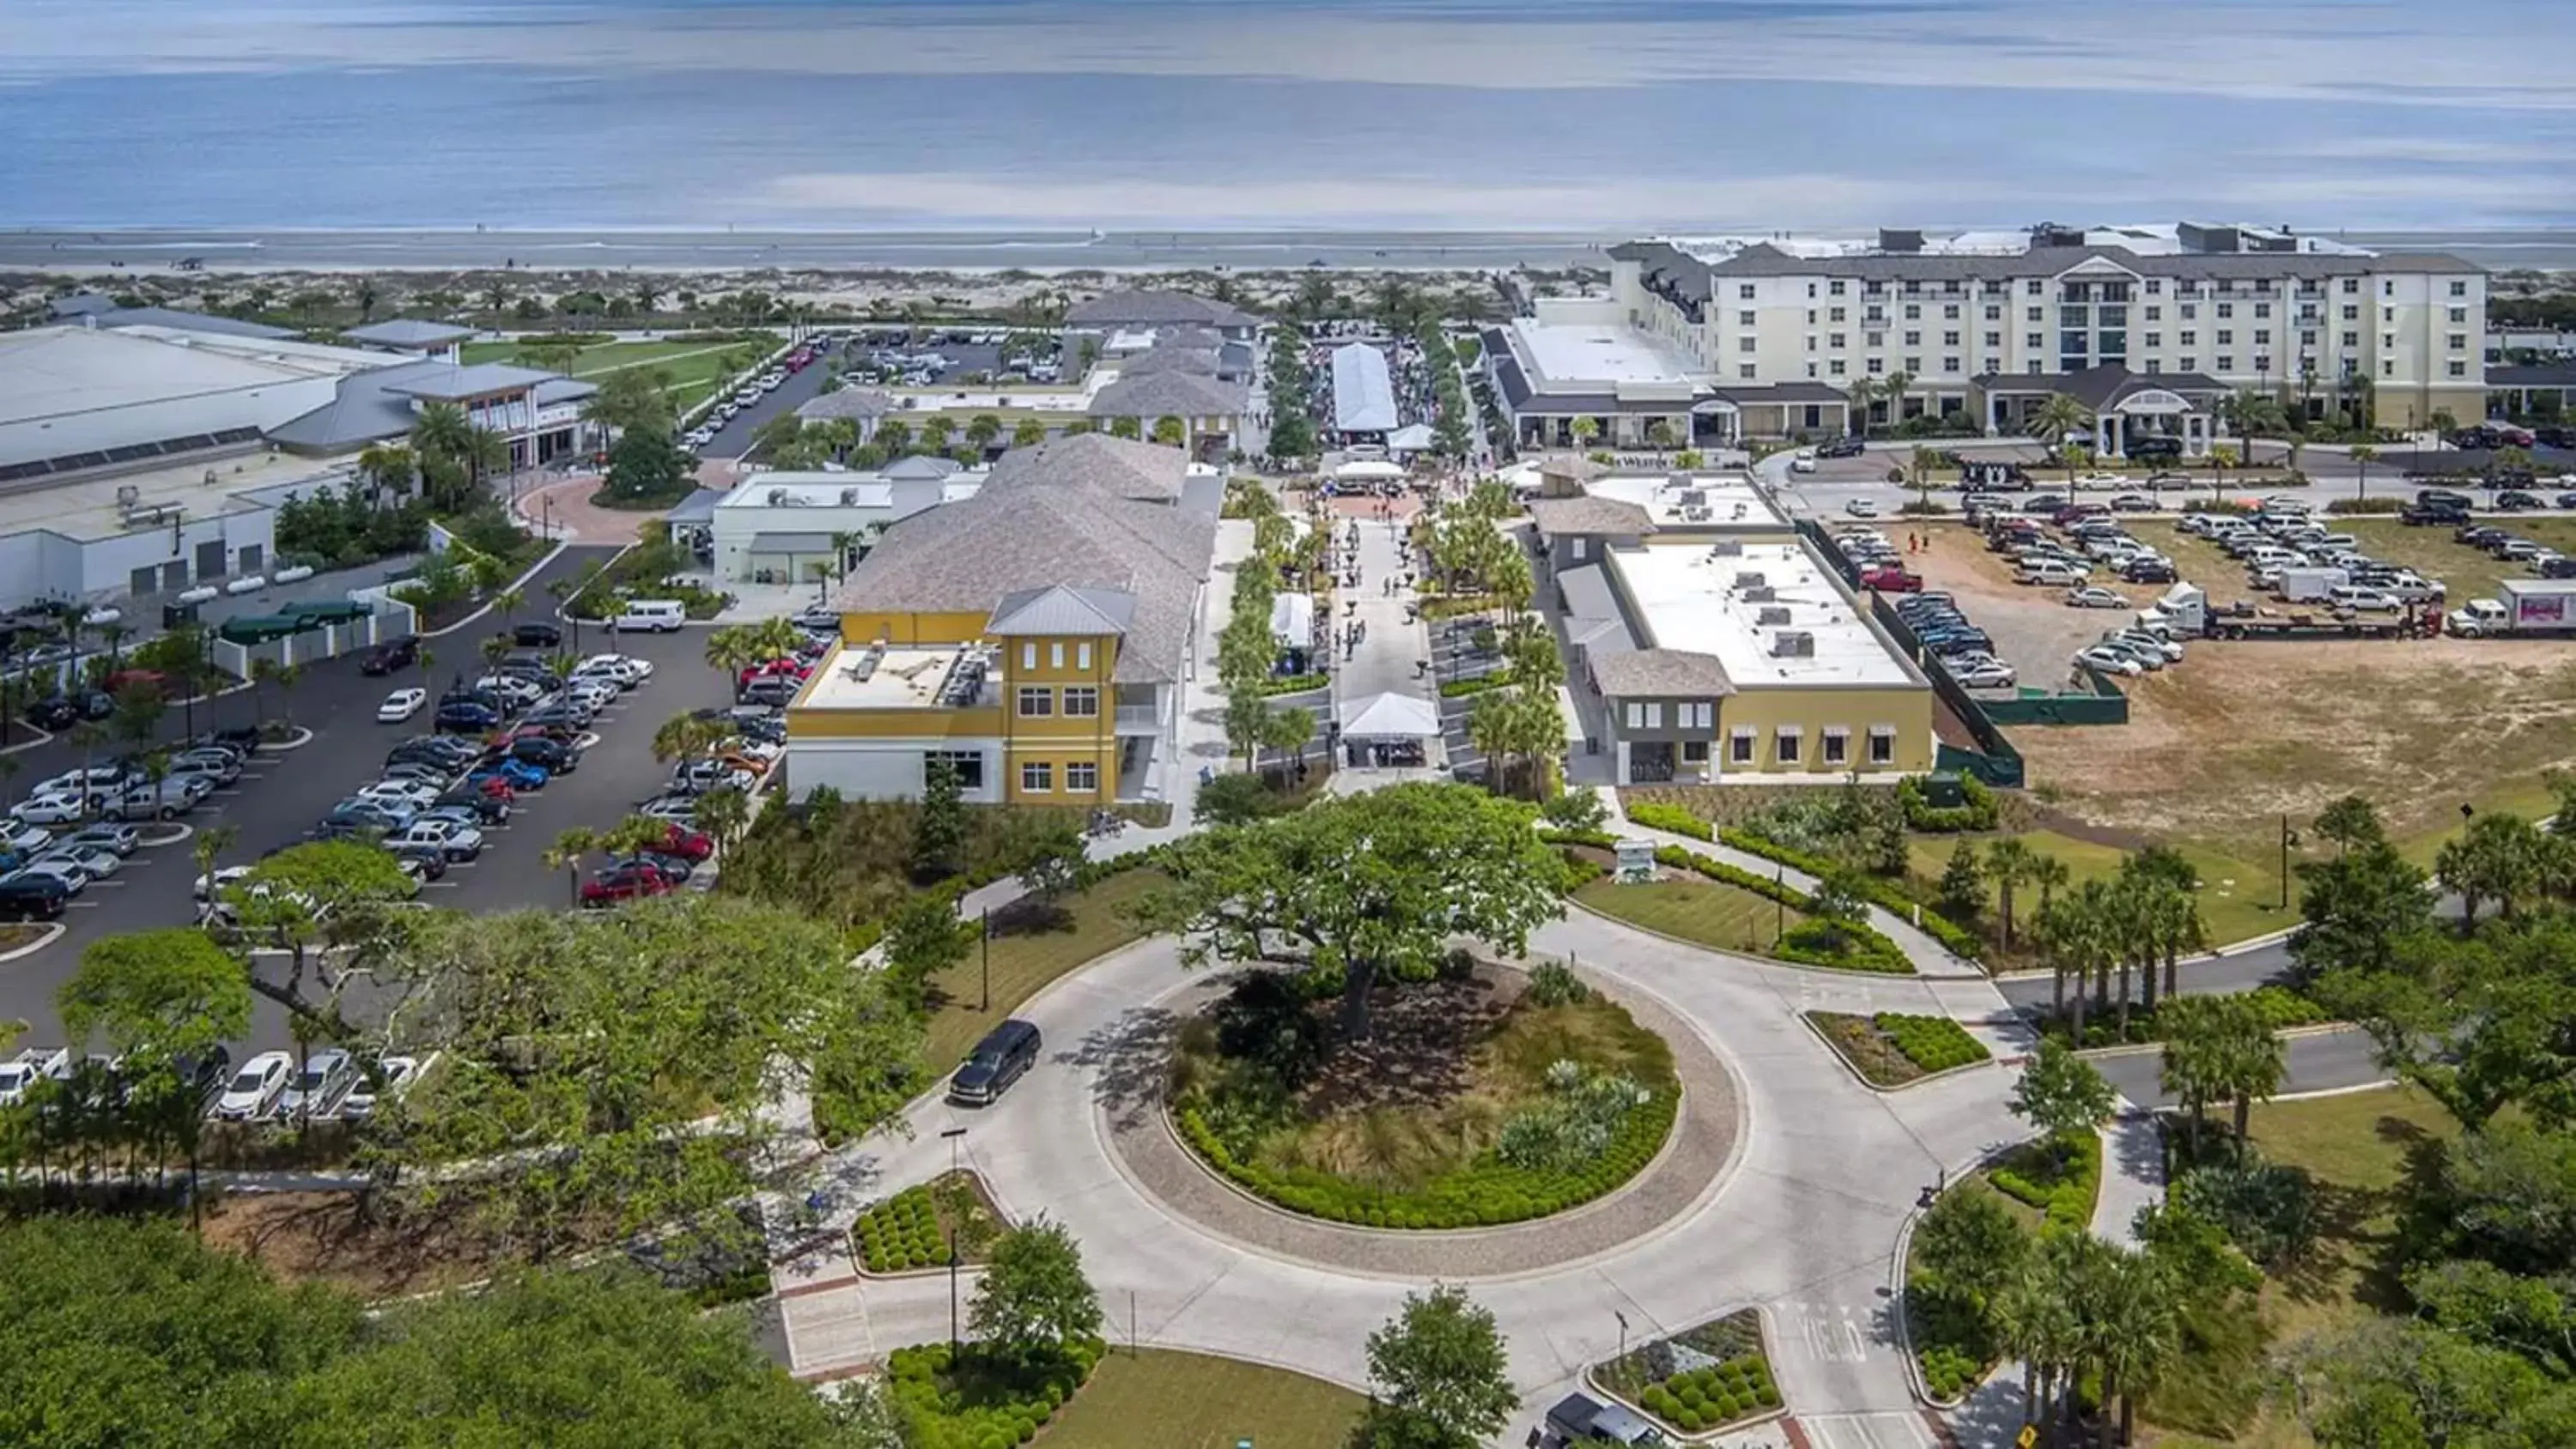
[1295, 684]
[1954, 938]
[1933, 1043]
[1713, 1397]
[1012, 1399]
[2069, 1200]
[1483, 1194]
[1671, 818]
[1481, 684]
[901, 1233]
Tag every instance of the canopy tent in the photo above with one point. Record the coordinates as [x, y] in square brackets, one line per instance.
[1363, 395]
[1368, 469]
[1411, 438]
[1292, 620]
[1390, 717]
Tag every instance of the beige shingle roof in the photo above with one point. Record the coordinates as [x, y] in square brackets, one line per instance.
[1646, 673]
[1168, 394]
[1591, 515]
[1119, 467]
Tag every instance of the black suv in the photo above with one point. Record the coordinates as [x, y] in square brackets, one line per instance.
[2155, 449]
[2425, 515]
[537, 636]
[33, 898]
[1840, 448]
[2441, 498]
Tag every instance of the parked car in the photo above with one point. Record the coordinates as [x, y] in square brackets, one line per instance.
[20, 1073]
[94, 863]
[39, 897]
[537, 636]
[168, 800]
[1862, 508]
[2150, 569]
[450, 838]
[414, 793]
[673, 870]
[2094, 596]
[623, 883]
[2516, 501]
[772, 691]
[254, 1089]
[121, 839]
[514, 773]
[1890, 579]
[697, 777]
[393, 654]
[317, 1089]
[672, 809]
[1983, 674]
[363, 1097]
[553, 756]
[467, 716]
[2108, 660]
[401, 705]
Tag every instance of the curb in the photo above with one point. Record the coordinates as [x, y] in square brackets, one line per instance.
[1808, 1018]
[53, 932]
[1842, 973]
[2144, 1048]
[2232, 948]
[296, 739]
[1896, 1284]
[524, 575]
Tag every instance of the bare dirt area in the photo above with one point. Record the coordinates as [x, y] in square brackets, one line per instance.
[2219, 747]
[2033, 628]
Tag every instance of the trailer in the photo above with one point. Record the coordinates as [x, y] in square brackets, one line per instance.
[2242, 623]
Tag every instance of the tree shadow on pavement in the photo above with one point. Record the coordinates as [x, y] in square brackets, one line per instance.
[1128, 1058]
[2141, 1153]
[1992, 1415]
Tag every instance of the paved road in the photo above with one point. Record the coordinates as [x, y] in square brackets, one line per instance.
[733, 439]
[1802, 1224]
[2318, 1062]
[285, 792]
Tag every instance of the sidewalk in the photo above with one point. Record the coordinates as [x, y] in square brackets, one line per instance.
[2133, 1173]
[1390, 649]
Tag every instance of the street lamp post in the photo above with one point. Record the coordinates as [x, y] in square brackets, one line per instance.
[952, 1134]
[987, 1003]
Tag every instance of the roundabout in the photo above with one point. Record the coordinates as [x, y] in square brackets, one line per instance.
[1785, 1186]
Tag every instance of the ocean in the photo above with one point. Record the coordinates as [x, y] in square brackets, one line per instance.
[689, 132]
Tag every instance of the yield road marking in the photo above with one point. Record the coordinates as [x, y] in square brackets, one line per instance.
[1827, 1333]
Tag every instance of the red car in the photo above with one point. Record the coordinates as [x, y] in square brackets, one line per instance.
[1890, 579]
[623, 883]
[775, 668]
[689, 845]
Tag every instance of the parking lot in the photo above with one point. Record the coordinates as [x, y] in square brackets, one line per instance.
[283, 793]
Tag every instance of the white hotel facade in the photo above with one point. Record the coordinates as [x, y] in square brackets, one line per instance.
[1970, 317]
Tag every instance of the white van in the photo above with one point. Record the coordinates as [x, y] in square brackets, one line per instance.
[2052, 572]
[651, 616]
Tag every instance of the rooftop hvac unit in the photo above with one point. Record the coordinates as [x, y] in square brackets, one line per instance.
[1762, 595]
[1751, 580]
[1727, 548]
[1772, 614]
[777, 497]
[1693, 497]
[1793, 644]
[849, 498]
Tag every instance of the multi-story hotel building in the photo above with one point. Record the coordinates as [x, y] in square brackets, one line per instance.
[1967, 321]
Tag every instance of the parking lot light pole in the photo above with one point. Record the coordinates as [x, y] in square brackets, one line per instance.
[987, 1003]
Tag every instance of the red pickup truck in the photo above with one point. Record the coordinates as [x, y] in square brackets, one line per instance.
[1890, 579]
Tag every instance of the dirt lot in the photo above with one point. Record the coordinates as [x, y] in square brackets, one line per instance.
[2033, 628]
[2218, 748]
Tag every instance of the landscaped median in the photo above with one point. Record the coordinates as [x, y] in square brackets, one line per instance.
[1891, 1050]
[1521, 1099]
[1987, 1218]
[1712, 903]
[1878, 891]
[920, 1227]
[1702, 1380]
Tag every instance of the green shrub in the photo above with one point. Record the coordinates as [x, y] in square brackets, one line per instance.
[1979, 808]
[1955, 939]
[1598, 839]
[1672, 819]
[1552, 983]
[2074, 1163]
[1932, 1043]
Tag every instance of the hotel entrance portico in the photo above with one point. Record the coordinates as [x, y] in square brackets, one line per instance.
[2127, 408]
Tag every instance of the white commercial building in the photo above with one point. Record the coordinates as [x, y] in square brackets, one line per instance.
[776, 528]
[2397, 335]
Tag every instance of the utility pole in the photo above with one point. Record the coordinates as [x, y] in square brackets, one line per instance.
[2288, 839]
[987, 1003]
[952, 1134]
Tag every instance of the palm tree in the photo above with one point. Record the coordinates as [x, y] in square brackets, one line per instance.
[2077, 931]
[1918, 466]
[442, 431]
[2138, 1321]
[2037, 1324]
[688, 739]
[1894, 390]
[2009, 862]
[1585, 429]
[2363, 455]
[722, 814]
[2178, 926]
[2057, 417]
[568, 852]
[729, 652]
[386, 466]
[1862, 393]
[212, 841]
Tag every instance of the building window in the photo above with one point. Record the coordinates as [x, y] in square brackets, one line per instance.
[2188, 364]
[1873, 289]
[2459, 315]
[2226, 310]
[1082, 777]
[1913, 339]
[1949, 339]
[2388, 369]
[1744, 291]
[2155, 340]
[1913, 364]
[1029, 655]
[1950, 366]
[1744, 319]
[2388, 340]
[1037, 777]
[2458, 369]
[1877, 365]
[1694, 752]
[2155, 314]
[2155, 287]
[2035, 340]
[1913, 288]
[2190, 338]
[2262, 363]
[1836, 340]
[2459, 340]
[2352, 339]
[1739, 748]
[2034, 314]
[1700, 716]
[1882, 738]
[1836, 314]
[1082, 655]
[2459, 289]
[1082, 702]
[1873, 314]
[1636, 715]
[1036, 703]
[1785, 745]
[2262, 310]
[1995, 340]
[2351, 286]
[2226, 363]
[2154, 366]
[2190, 311]
[2388, 289]
[1055, 655]
[1834, 368]
[1913, 312]
[1837, 745]
[2307, 339]
[1836, 286]
[2033, 286]
[969, 765]
[1950, 312]
[1874, 339]
[1994, 314]
[2226, 335]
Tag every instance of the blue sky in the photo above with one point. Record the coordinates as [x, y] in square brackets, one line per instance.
[1471, 114]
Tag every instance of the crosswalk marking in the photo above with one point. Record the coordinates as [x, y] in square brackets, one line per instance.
[1891, 1430]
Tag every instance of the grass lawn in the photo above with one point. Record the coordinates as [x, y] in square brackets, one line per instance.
[1197, 1401]
[691, 370]
[1023, 964]
[2238, 898]
[2355, 1147]
[1707, 912]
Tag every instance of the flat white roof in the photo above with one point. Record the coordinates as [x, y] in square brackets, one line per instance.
[88, 509]
[1363, 395]
[49, 372]
[1691, 597]
[1700, 500]
[904, 678]
[1607, 354]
